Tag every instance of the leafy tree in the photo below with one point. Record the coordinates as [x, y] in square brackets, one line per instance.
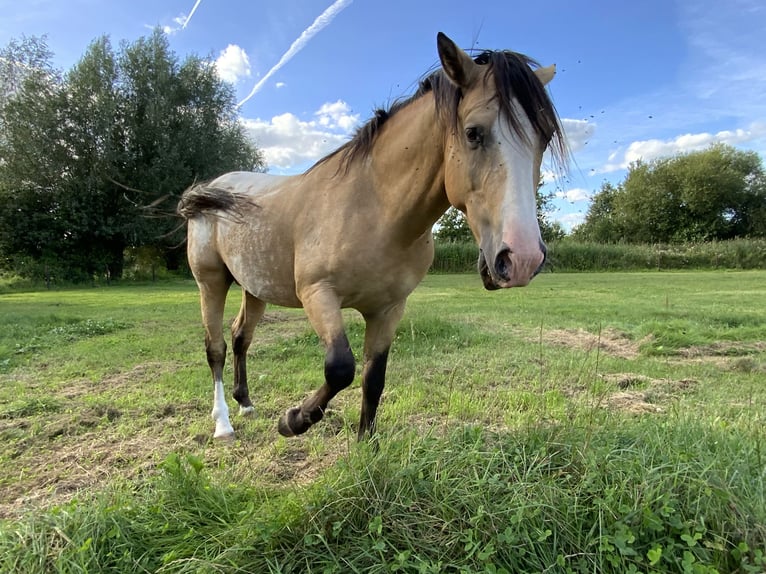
[550, 230]
[602, 220]
[715, 194]
[452, 227]
[30, 154]
[81, 156]
[22, 59]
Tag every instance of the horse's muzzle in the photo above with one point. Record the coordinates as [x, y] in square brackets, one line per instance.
[510, 269]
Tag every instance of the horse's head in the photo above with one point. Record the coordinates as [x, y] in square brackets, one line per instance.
[501, 126]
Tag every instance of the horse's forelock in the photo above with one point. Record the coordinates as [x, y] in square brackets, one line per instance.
[514, 77]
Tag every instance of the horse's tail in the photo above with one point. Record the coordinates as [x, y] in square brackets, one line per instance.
[201, 199]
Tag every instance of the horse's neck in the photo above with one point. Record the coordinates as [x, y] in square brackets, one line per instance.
[407, 166]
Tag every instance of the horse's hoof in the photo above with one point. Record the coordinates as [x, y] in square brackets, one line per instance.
[288, 422]
[247, 411]
[224, 437]
[223, 431]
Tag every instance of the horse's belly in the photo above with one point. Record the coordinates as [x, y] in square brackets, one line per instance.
[389, 282]
[263, 278]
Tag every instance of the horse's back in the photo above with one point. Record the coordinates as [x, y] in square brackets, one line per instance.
[248, 182]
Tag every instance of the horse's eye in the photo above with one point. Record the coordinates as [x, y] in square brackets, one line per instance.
[474, 135]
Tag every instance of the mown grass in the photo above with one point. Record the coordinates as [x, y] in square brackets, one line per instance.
[586, 423]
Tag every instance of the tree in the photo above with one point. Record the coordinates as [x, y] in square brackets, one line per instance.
[601, 222]
[550, 230]
[22, 59]
[82, 156]
[715, 194]
[30, 154]
[453, 226]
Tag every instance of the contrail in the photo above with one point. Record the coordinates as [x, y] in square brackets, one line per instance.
[322, 20]
[193, 10]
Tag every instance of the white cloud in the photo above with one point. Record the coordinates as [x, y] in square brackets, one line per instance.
[574, 195]
[577, 132]
[570, 220]
[337, 115]
[648, 150]
[280, 85]
[289, 142]
[233, 64]
[178, 24]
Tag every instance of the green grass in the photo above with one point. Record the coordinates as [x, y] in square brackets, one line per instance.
[586, 423]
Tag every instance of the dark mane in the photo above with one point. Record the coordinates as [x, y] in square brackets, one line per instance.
[513, 78]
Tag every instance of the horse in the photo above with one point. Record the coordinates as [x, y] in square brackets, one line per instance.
[355, 229]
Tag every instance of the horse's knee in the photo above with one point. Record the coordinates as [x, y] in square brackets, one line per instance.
[215, 351]
[339, 366]
[240, 343]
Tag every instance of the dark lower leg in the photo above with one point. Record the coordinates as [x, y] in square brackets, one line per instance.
[250, 313]
[373, 381]
[339, 373]
[241, 392]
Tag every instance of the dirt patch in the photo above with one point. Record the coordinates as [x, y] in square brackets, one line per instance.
[631, 402]
[727, 355]
[297, 463]
[271, 317]
[51, 456]
[641, 394]
[139, 374]
[57, 473]
[609, 341]
[723, 349]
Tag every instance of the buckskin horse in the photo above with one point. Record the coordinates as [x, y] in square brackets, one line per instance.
[354, 230]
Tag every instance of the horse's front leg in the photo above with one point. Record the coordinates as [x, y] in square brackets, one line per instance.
[380, 331]
[323, 310]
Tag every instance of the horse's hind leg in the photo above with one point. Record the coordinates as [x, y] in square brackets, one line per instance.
[250, 312]
[379, 333]
[213, 288]
[323, 310]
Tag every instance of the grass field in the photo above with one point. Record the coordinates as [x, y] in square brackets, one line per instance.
[587, 423]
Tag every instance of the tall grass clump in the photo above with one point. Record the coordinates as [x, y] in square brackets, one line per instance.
[641, 496]
[454, 257]
[572, 255]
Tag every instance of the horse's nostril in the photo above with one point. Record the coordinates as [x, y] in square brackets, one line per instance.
[503, 264]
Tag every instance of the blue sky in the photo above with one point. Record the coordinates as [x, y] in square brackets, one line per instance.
[635, 79]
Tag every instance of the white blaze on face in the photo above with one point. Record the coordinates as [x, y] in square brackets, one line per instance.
[520, 230]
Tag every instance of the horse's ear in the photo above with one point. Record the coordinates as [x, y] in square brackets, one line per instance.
[458, 65]
[546, 74]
